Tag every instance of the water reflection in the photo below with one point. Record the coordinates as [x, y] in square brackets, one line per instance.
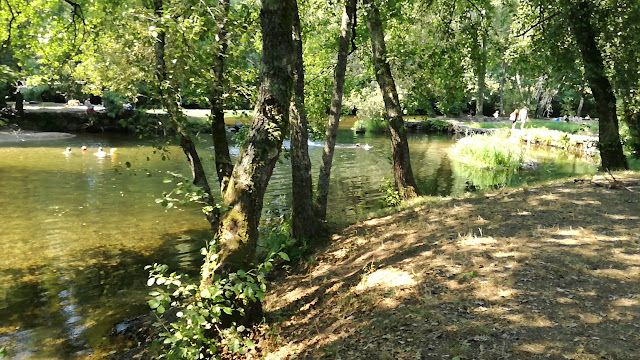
[78, 230]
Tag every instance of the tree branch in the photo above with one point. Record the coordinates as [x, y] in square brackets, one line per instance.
[540, 22]
[7, 41]
[353, 33]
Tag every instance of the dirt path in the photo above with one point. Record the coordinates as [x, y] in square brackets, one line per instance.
[545, 272]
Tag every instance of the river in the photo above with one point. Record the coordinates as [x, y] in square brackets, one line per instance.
[77, 230]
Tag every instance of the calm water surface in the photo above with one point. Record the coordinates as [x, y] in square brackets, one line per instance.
[77, 230]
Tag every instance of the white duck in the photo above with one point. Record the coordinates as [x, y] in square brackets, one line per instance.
[100, 153]
[67, 151]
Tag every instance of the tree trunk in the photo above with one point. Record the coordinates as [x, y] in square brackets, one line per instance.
[579, 111]
[168, 96]
[336, 110]
[481, 73]
[535, 98]
[403, 175]
[579, 16]
[237, 236]
[503, 79]
[224, 167]
[303, 222]
[19, 103]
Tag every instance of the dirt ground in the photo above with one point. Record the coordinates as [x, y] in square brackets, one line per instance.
[541, 272]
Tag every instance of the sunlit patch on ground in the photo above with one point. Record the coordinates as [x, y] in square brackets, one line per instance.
[540, 273]
[386, 278]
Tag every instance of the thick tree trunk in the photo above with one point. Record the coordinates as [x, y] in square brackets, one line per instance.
[237, 235]
[224, 167]
[579, 16]
[303, 222]
[336, 110]
[175, 115]
[403, 175]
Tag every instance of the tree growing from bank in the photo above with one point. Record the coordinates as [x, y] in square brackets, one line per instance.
[402, 172]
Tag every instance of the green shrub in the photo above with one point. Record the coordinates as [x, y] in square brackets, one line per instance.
[392, 197]
[372, 125]
[490, 151]
[199, 331]
[434, 125]
[113, 103]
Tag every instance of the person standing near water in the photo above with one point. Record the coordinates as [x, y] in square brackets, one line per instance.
[514, 118]
[523, 116]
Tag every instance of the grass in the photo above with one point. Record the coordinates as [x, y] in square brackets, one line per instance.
[372, 126]
[489, 151]
[582, 128]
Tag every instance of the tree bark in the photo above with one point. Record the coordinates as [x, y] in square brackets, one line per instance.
[19, 103]
[224, 167]
[237, 236]
[331, 133]
[403, 175]
[303, 222]
[579, 16]
[580, 105]
[167, 94]
[503, 79]
[481, 73]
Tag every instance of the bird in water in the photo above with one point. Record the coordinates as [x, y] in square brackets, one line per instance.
[367, 147]
[83, 148]
[67, 151]
[100, 153]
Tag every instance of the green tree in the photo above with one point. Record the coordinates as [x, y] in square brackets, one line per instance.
[335, 111]
[234, 246]
[403, 174]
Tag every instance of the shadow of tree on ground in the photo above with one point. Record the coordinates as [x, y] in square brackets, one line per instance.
[547, 272]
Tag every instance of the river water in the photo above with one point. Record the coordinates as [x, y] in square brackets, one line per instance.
[77, 230]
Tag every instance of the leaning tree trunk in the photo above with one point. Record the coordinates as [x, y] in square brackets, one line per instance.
[348, 17]
[303, 222]
[579, 16]
[224, 167]
[237, 236]
[168, 97]
[403, 174]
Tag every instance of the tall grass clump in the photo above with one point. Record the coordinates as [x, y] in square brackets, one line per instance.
[374, 125]
[489, 151]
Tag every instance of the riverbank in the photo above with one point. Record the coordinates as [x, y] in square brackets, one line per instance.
[550, 271]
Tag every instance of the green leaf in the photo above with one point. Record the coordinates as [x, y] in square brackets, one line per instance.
[154, 303]
[284, 256]
[205, 294]
[160, 309]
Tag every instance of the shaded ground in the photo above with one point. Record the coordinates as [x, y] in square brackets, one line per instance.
[544, 272]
